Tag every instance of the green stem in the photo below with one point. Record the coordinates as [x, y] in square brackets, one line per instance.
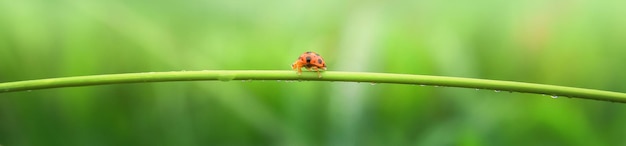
[227, 75]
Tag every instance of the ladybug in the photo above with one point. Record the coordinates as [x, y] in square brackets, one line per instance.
[309, 60]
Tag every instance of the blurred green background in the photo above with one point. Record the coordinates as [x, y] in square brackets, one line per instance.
[579, 43]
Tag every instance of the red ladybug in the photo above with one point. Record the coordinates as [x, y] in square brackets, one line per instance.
[310, 61]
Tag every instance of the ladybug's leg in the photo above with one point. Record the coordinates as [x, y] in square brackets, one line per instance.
[299, 70]
[318, 72]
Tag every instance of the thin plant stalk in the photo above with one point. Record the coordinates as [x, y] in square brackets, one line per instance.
[229, 75]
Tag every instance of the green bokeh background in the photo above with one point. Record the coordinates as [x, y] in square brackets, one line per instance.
[578, 43]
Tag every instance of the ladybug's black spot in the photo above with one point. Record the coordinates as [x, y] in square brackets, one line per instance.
[309, 52]
[308, 59]
[317, 54]
[320, 61]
